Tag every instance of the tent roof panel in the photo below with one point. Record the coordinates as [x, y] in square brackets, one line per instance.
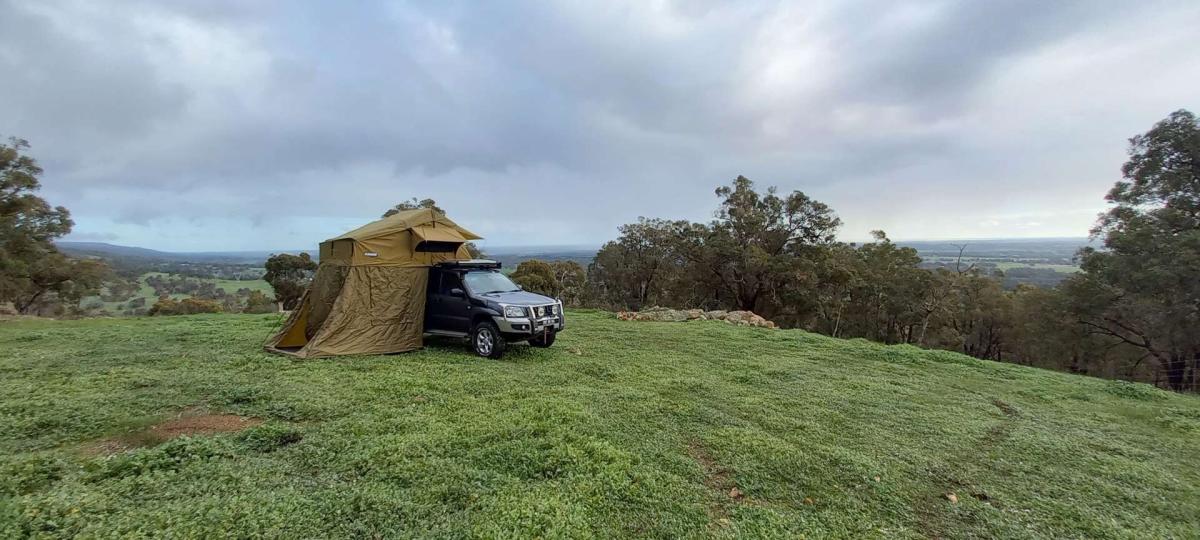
[438, 234]
[405, 220]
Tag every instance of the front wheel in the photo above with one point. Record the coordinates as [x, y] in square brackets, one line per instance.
[543, 340]
[486, 340]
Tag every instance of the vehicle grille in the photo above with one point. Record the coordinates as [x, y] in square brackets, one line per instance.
[544, 311]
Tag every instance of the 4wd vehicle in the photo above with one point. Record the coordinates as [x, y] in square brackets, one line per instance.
[473, 299]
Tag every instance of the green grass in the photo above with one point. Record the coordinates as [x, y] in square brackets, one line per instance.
[622, 429]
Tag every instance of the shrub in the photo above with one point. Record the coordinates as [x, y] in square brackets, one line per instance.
[257, 302]
[187, 306]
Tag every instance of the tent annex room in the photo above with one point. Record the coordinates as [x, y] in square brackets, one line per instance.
[368, 294]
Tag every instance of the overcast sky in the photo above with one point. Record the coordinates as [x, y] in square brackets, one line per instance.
[240, 125]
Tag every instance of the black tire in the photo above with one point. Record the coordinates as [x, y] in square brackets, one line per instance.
[543, 340]
[486, 340]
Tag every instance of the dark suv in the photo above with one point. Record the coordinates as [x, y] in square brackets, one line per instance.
[473, 299]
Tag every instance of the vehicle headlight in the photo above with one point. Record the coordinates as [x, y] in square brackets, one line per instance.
[514, 312]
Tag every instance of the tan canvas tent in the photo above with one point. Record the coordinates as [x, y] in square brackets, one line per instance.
[368, 295]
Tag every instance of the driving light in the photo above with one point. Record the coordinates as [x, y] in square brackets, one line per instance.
[514, 311]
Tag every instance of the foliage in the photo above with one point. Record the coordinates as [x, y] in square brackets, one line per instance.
[571, 281]
[188, 306]
[536, 276]
[57, 280]
[561, 279]
[413, 204]
[638, 269]
[757, 242]
[257, 302]
[622, 429]
[289, 275]
[1143, 289]
[33, 274]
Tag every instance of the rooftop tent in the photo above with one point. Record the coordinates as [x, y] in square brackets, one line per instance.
[368, 295]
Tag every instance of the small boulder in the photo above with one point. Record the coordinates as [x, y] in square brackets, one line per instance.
[662, 315]
[740, 318]
[674, 315]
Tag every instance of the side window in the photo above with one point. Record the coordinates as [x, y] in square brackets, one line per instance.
[450, 280]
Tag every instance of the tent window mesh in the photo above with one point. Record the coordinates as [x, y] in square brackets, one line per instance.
[431, 246]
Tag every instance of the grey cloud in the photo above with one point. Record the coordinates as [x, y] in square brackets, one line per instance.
[239, 110]
[84, 88]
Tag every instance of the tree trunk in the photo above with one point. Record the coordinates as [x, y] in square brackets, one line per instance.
[23, 308]
[1195, 371]
[1176, 368]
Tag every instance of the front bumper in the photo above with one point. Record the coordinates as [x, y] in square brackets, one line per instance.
[530, 326]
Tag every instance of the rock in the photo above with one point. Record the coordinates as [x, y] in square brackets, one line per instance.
[740, 318]
[672, 315]
[748, 318]
[662, 314]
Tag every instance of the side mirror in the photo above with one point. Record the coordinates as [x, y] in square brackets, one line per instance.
[457, 292]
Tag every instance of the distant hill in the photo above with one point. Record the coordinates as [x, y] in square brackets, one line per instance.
[1046, 254]
[101, 249]
[510, 256]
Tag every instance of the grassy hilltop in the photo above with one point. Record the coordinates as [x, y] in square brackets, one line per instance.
[622, 429]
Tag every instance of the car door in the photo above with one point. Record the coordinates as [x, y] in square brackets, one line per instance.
[433, 301]
[445, 311]
[455, 309]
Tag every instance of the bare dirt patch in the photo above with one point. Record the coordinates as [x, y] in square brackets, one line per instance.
[204, 424]
[1008, 410]
[191, 422]
[719, 480]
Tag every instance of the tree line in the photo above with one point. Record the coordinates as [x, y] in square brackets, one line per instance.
[1132, 312]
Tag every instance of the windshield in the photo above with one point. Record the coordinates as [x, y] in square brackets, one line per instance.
[489, 282]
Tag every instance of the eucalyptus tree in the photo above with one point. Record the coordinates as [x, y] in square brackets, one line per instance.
[1143, 288]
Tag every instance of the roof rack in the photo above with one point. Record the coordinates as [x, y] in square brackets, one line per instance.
[470, 263]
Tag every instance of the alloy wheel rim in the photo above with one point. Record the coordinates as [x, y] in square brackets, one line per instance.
[483, 341]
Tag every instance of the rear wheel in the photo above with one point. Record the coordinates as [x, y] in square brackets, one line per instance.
[486, 340]
[543, 340]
